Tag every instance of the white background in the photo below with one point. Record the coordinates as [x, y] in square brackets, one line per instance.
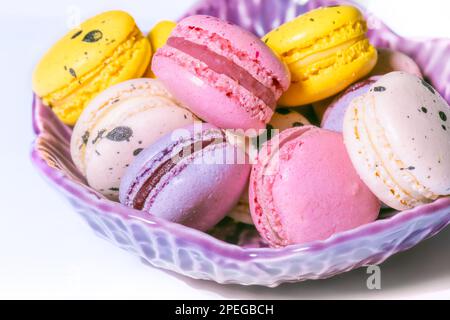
[47, 251]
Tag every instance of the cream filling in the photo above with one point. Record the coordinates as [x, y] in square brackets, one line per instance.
[327, 53]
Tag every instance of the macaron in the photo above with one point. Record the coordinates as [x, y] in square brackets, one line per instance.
[241, 212]
[283, 119]
[287, 118]
[326, 50]
[333, 119]
[224, 74]
[158, 37]
[304, 188]
[398, 138]
[392, 60]
[105, 50]
[117, 125]
[194, 177]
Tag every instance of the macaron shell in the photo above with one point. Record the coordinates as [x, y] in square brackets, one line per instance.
[333, 119]
[391, 60]
[414, 120]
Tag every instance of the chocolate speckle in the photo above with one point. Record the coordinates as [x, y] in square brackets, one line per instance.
[428, 86]
[77, 34]
[283, 111]
[93, 36]
[137, 152]
[85, 137]
[72, 73]
[297, 124]
[443, 116]
[65, 68]
[409, 168]
[185, 116]
[98, 153]
[311, 19]
[424, 110]
[99, 136]
[120, 134]
[115, 101]
[114, 189]
[444, 128]
[379, 89]
[266, 41]
[140, 142]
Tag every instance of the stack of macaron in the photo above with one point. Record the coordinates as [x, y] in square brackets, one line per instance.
[202, 119]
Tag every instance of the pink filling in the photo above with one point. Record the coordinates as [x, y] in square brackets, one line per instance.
[224, 66]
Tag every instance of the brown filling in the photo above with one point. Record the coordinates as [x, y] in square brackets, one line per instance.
[222, 65]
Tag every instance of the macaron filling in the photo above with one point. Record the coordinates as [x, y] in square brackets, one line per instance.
[223, 65]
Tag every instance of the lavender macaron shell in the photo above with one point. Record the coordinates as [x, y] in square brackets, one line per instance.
[201, 194]
[333, 119]
[198, 255]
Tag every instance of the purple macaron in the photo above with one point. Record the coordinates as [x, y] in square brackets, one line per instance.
[333, 119]
[193, 176]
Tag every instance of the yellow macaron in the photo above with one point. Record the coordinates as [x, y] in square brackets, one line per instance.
[158, 37]
[326, 50]
[105, 50]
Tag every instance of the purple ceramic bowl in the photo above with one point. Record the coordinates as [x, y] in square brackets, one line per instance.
[206, 256]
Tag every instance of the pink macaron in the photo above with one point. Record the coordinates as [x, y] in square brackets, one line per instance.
[223, 73]
[304, 188]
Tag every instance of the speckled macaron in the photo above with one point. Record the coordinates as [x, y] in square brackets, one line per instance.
[117, 125]
[398, 137]
[104, 50]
